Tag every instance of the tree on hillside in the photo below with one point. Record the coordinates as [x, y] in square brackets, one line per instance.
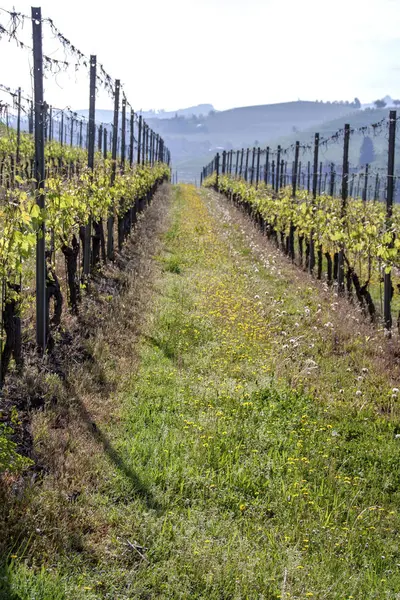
[380, 104]
[356, 103]
[367, 152]
[396, 102]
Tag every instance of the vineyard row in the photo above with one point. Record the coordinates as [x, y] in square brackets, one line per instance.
[62, 203]
[354, 242]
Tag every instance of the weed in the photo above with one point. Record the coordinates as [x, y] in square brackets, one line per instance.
[172, 264]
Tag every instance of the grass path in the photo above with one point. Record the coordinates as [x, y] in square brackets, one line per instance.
[255, 449]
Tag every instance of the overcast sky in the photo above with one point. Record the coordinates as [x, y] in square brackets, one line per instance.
[176, 53]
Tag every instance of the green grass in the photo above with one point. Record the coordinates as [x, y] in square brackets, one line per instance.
[18, 582]
[244, 463]
[172, 264]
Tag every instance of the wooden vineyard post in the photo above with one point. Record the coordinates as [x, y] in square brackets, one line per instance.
[278, 161]
[159, 148]
[150, 145]
[294, 190]
[345, 193]
[147, 144]
[123, 134]
[144, 141]
[41, 292]
[131, 138]
[365, 188]
[258, 166]
[332, 180]
[17, 157]
[72, 131]
[144, 144]
[122, 217]
[253, 159]
[266, 168]
[139, 139]
[110, 222]
[377, 186]
[311, 259]
[217, 171]
[105, 143]
[91, 142]
[246, 167]
[62, 129]
[100, 138]
[241, 163]
[237, 163]
[223, 162]
[388, 291]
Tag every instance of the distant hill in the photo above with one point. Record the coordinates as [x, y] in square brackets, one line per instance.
[191, 167]
[194, 140]
[107, 116]
[194, 134]
[356, 119]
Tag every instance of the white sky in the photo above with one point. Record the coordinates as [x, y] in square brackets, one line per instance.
[176, 53]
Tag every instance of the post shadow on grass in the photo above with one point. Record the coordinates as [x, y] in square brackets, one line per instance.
[163, 345]
[139, 487]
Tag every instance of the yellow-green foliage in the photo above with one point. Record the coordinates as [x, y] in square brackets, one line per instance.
[70, 202]
[362, 228]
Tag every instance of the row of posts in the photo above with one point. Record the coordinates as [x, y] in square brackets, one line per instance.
[150, 148]
[152, 145]
[276, 175]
